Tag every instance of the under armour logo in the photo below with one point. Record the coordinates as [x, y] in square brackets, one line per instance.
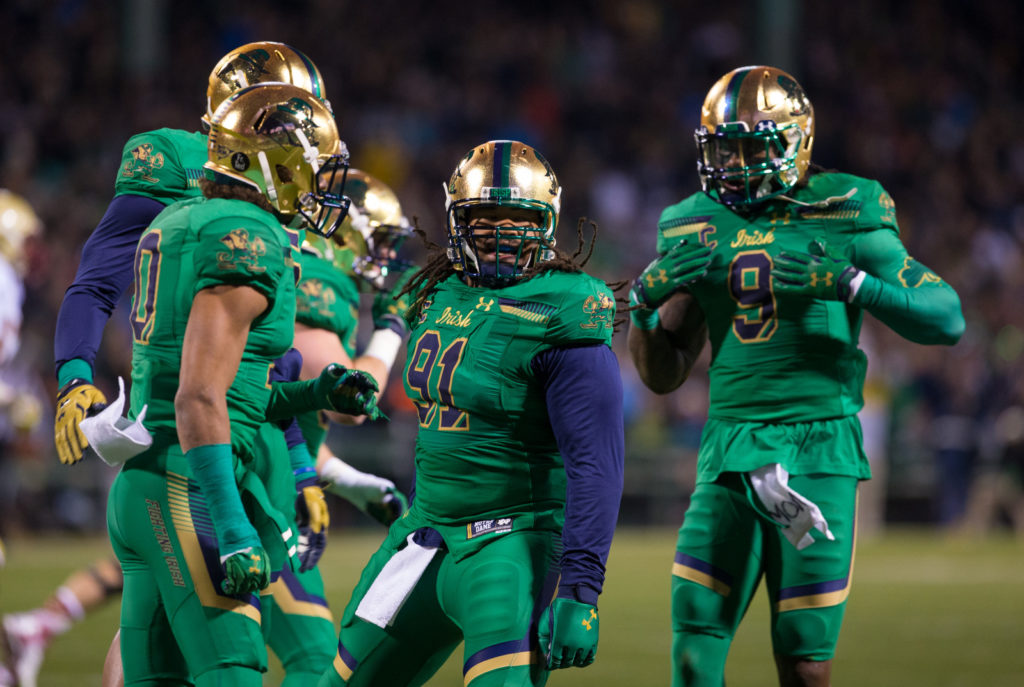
[660, 278]
[826, 280]
[254, 568]
[587, 621]
[485, 305]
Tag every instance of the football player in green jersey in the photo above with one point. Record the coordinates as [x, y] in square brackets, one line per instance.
[214, 306]
[157, 169]
[775, 263]
[518, 455]
[362, 254]
[302, 632]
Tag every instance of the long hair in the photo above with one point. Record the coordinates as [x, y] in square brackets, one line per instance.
[235, 191]
[439, 267]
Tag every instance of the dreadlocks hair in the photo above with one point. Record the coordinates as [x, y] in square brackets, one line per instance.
[235, 191]
[439, 267]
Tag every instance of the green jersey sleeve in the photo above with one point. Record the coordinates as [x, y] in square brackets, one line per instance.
[241, 251]
[328, 299]
[165, 165]
[908, 297]
[586, 314]
[877, 209]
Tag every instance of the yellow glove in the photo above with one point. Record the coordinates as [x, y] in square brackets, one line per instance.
[312, 518]
[77, 400]
[315, 509]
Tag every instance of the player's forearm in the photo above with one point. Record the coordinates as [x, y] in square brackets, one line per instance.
[584, 398]
[662, 367]
[103, 275]
[928, 314]
[201, 416]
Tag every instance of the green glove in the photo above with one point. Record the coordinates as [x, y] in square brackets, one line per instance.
[820, 274]
[352, 392]
[337, 388]
[684, 264]
[568, 633]
[246, 571]
[389, 307]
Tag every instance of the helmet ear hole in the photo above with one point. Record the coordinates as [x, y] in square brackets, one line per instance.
[283, 173]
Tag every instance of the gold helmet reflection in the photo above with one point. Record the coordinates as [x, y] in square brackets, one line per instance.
[367, 243]
[18, 221]
[374, 230]
[258, 62]
[501, 174]
[284, 142]
[755, 136]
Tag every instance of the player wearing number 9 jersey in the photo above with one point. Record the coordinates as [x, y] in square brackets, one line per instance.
[775, 264]
[518, 454]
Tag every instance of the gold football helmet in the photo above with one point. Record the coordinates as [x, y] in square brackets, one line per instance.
[284, 142]
[501, 174]
[367, 242]
[18, 221]
[374, 230]
[755, 136]
[255, 63]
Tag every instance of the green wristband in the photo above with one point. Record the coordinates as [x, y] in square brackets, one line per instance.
[76, 368]
[644, 318]
[213, 468]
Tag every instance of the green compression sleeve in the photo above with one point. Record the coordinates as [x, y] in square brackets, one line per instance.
[212, 467]
[904, 294]
[288, 399]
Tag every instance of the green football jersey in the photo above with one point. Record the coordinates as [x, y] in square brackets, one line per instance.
[780, 358]
[485, 447]
[192, 245]
[165, 165]
[327, 298]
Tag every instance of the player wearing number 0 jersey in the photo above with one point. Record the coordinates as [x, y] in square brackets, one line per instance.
[518, 454]
[775, 265]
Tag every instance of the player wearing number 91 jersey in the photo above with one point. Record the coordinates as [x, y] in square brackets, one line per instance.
[774, 263]
[518, 452]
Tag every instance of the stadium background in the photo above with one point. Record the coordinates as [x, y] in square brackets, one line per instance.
[922, 95]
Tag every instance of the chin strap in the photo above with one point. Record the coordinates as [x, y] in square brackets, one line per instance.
[822, 203]
[268, 177]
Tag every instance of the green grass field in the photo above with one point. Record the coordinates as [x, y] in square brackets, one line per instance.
[925, 610]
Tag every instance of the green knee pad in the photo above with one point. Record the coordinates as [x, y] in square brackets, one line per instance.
[230, 676]
[810, 634]
[699, 649]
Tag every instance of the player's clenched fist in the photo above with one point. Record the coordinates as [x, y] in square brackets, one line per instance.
[682, 265]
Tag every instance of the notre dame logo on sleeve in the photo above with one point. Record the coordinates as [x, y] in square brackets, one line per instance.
[143, 163]
[316, 296]
[601, 312]
[914, 274]
[243, 252]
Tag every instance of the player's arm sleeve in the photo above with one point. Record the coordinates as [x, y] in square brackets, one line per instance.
[241, 251]
[583, 389]
[904, 294]
[103, 276]
[286, 369]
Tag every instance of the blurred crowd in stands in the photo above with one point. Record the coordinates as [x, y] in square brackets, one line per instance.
[923, 95]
